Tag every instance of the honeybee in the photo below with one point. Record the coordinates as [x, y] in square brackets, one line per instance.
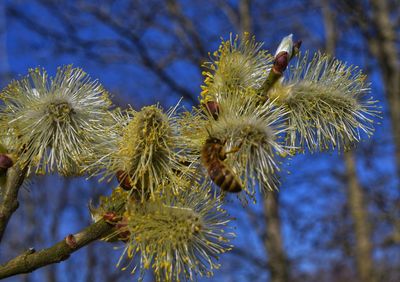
[213, 155]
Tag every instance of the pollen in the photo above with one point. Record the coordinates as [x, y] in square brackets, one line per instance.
[147, 148]
[180, 234]
[60, 112]
[328, 103]
[239, 63]
[56, 121]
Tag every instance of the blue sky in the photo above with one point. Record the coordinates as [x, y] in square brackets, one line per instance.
[22, 48]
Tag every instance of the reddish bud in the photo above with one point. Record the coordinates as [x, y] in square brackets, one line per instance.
[5, 161]
[281, 62]
[212, 108]
[121, 224]
[71, 241]
[297, 45]
[111, 217]
[123, 235]
[124, 180]
[296, 48]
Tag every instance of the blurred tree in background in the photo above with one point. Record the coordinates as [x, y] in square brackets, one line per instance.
[336, 217]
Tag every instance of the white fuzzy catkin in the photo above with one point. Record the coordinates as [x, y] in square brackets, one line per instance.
[328, 103]
[54, 121]
[177, 236]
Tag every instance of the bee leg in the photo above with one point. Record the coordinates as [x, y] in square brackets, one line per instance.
[223, 153]
[234, 149]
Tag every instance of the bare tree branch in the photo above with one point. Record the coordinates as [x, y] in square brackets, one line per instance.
[31, 260]
[142, 51]
[245, 16]
[187, 28]
[8, 201]
[79, 44]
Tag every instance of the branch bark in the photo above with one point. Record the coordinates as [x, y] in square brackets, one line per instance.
[9, 196]
[31, 260]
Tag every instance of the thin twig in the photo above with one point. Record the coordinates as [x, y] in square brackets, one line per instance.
[32, 260]
[9, 196]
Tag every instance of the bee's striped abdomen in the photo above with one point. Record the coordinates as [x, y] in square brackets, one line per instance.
[212, 156]
[224, 177]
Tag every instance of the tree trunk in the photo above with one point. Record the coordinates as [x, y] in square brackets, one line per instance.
[277, 261]
[355, 194]
[363, 247]
[383, 47]
[245, 16]
[273, 242]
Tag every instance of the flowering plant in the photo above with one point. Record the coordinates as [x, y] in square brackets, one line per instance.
[174, 167]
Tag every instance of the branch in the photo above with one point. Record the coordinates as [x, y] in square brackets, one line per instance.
[8, 201]
[187, 28]
[248, 256]
[142, 51]
[87, 46]
[32, 260]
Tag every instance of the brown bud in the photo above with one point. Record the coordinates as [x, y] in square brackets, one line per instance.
[212, 108]
[71, 241]
[121, 224]
[124, 180]
[123, 235]
[111, 217]
[281, 62]
[296, 48]
[5, 161]
[297, 45]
